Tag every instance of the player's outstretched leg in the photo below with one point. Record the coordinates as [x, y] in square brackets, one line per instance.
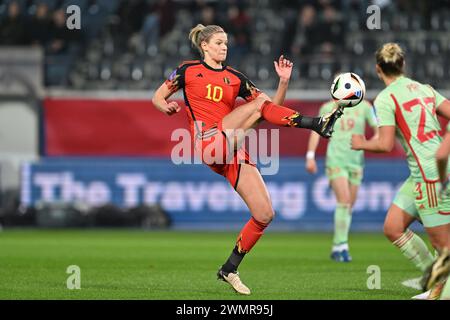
[248, 114]
[283, 116]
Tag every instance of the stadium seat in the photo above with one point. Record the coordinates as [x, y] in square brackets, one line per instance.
[52, 4]
[109, 5]
[80, 3]
[3, 11]
[106, 71]
[103, 41]
[433, 47]
[416, 22]
[445, 21]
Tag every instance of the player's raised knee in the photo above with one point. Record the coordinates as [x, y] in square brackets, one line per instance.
[346, 203]
[439, 242]
[266, 216]
[392, 232]
[259, 102]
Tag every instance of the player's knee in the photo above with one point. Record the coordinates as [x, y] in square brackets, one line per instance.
[392, 232]
[439, 242]
[259, 102]
[266, 216]
[263, 97]
[346, 204]
[344, 199]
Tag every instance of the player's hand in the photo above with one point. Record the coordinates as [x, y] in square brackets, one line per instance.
[171, 108]
[283, 67]
[358, 141]
[311, 166]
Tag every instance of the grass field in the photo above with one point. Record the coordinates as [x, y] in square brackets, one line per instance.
[132, 264]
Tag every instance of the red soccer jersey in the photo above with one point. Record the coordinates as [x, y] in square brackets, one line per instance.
[209, 93]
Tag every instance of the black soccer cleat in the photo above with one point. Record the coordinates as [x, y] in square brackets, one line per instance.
[327, 121]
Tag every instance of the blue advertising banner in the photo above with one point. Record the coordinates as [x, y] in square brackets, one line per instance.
[196, 197]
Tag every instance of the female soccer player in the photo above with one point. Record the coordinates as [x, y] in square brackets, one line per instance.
[408, 109]
[344, 168]
[210, 89]
[440, 269]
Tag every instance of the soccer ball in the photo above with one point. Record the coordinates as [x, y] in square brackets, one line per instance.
[348, 89]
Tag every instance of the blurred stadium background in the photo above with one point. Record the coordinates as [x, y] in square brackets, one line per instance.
[82, 146]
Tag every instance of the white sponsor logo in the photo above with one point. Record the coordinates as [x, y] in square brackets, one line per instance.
[215, 147]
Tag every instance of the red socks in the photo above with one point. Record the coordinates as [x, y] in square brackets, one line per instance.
[250, 234]
[278, 115]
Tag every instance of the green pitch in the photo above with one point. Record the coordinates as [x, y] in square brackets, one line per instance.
[182, 265]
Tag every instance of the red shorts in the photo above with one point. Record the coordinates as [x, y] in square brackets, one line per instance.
[219, 155]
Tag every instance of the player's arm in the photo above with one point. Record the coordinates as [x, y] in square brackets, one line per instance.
[443, 152]
[371, 120]
[443, 109]
[384, 142]
[313, 143]
[441, 103]
[160, 100]
[442, 157]
[283, 67]
[376, 132]
[170, 86]
[311, 165]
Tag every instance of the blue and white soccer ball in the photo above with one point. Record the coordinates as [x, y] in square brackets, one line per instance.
[348, 90]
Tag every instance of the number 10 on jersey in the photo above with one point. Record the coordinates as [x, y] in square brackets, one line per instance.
[215, 93]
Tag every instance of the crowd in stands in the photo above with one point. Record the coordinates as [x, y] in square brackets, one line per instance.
[42, 28]
[135, 43]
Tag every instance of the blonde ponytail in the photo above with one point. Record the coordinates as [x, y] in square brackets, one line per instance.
[201, 33]
[391, 58]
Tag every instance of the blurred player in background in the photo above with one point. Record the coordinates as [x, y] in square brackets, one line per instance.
[408, 109]
[210, 89]
[344, 168]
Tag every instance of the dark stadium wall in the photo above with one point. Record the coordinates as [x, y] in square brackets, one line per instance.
[121, 127]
